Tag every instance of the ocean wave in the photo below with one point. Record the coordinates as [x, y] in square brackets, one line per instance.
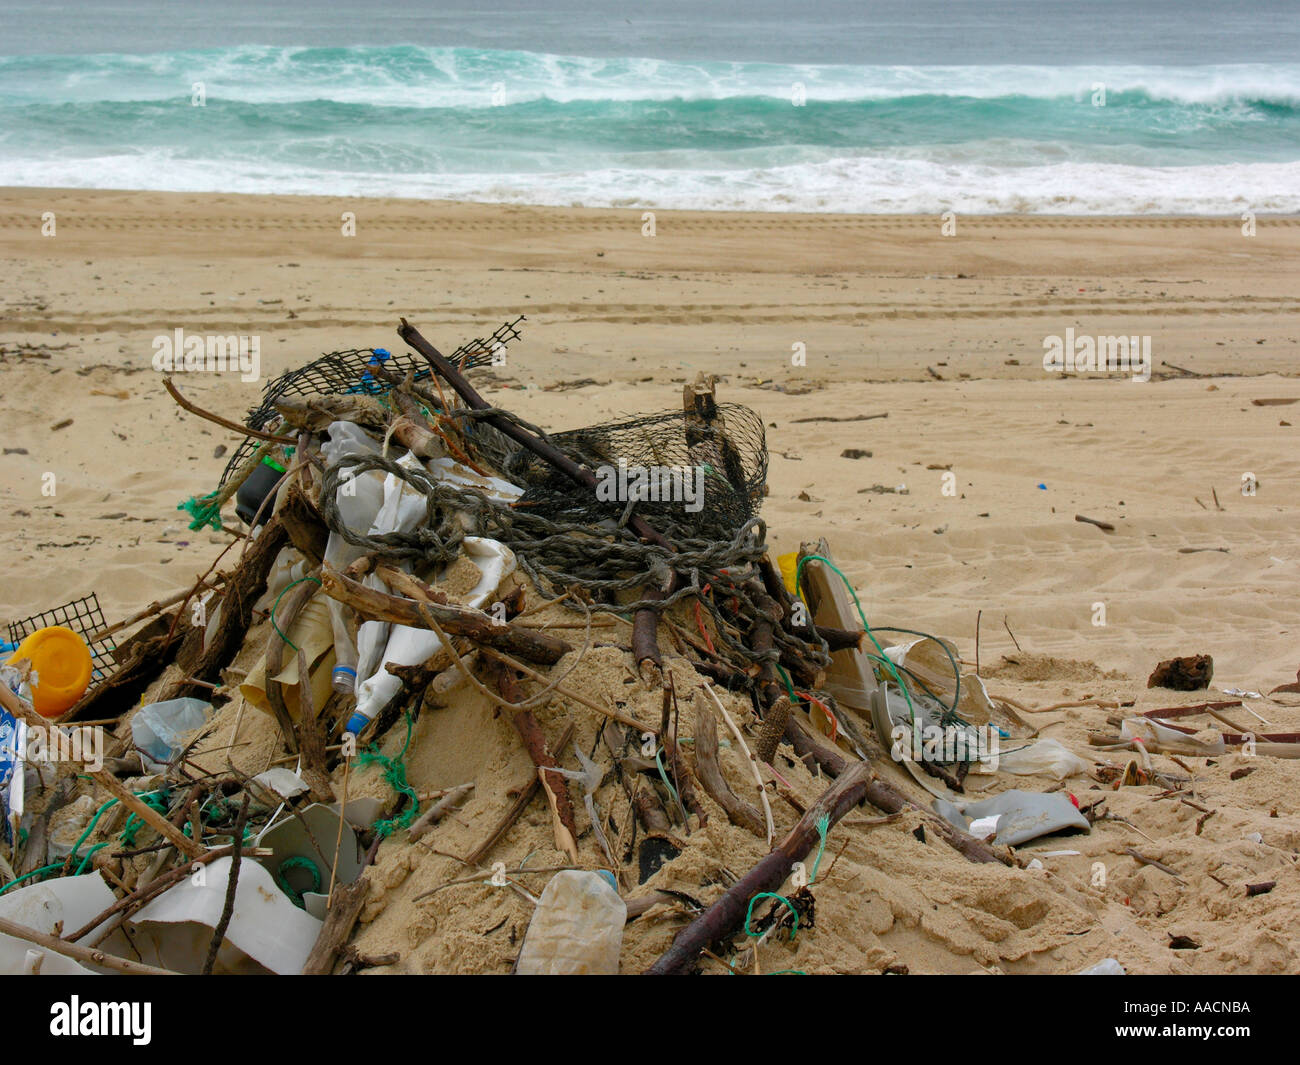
[524, 127]
[412, 77]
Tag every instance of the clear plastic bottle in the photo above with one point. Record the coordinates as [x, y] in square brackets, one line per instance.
[358, 503]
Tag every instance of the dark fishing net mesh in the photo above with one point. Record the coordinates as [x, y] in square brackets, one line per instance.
[349, 373]
[689, 478]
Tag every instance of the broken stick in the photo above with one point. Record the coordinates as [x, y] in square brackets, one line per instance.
[726, 916]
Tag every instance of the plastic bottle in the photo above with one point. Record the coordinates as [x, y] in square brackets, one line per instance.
[252, 493]
[402, 509]
[409, 646]
[358, 501]
[577, 928]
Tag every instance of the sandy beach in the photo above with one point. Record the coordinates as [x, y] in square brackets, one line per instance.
[885, 306]
[943, 334]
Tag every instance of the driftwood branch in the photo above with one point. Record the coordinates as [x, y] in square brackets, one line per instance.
[641, 797]
[79, 953]
[727, 915]
[555, 785]
[216, 419]
[517, 808]
[525, 643]
[884, 796]
[710, 775]
[739, 737]
[345, 908]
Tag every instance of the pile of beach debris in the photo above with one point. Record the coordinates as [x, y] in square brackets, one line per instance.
[450, 650]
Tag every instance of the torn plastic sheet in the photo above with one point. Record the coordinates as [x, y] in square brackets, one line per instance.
[266, 930]
[1022, 815]
[54, 907]
[309, 837]
[1170, 740]
[1049, 757]
[409, 646]
[160, 730]
[925, 657]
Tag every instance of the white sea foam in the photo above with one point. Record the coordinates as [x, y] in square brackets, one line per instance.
[863, 184]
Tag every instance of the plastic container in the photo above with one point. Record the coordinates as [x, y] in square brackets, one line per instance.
[1046, 756]
[789, 566]
[410, 646]
[1105, 967]
[253, 492]
[160, 730]
[577, 928]
[61, 667]
[358, 502]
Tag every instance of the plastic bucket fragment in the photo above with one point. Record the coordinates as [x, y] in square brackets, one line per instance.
[61, 668]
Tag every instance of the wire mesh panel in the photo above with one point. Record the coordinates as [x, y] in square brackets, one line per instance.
[84, 617]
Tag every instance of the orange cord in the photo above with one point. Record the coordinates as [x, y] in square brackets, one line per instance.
[835, 725]
[699, 621]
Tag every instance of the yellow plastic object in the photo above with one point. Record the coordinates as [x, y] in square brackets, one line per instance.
[61, 668]
[789, 564]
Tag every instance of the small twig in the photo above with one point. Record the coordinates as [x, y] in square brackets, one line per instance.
[1153, 863]
[749, 755]
[225, 423]
[1012, 635]
[1125, 821]
[338, 839]
[1104, 526]
[232, 885]
[435, 813]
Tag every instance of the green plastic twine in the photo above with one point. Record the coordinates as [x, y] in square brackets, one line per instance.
[663, 775]
[277, 603]
[298, 862]
[89, 854]
[27, 876]
[134, 822]
[204, 511]
[883, 659]
[823, 826]
[395, 775]
[146, 796]
[780, 898]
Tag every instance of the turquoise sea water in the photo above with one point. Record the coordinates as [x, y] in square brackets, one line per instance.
[524, 126]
